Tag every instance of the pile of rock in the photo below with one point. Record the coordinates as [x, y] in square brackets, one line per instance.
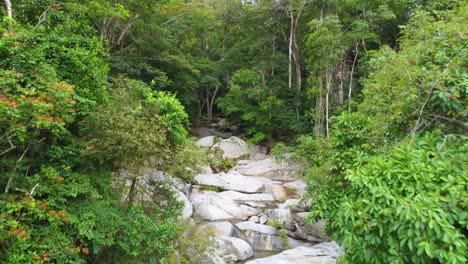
[255, 206]
[257, 192]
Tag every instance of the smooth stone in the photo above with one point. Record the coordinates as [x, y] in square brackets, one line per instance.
[232, 148]
[206, 142]
[215, 207]
[247, 197]
[295, 188]
[289, 204]
[229, 250]
[278, 192]
[234, 182]
[187, 211]
[263, 219]
[254, 219]
[283, 216]
[223, 228]
[260, 237]
[269, 168]
[323, 253]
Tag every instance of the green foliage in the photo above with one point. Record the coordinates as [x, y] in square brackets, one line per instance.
[390, 191]
[128, 124]
[210, 188]
[410, 201]
[173, 115]
[194, 245]
[263, 113]
[422, 86]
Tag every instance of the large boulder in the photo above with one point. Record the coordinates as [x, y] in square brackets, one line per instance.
[232, 148]
[206, 142]
[278, 192]
[323, 253]
[187, 211]
[233, 181]
[289, 204]
[314, 232]
[295, 188]
[283, 216]
[232, 249]
[219, 229]
[260, 237]
[269, 168]
[213, 206]
[249, 198]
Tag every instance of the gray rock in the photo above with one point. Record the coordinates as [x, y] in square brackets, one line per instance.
[295, 188]
[234, 182]
[248, 197]
[263, 219]
[215, 207]
[323, 253]
[254, 219]
[310, 231]
[250, 211]
[232, 148]
[206, 142]
[260, 237]
[260, 156]
[232, 249]
[224, 228]
[289, 204]
[283, 216]
[278, 192]
[269, 168]
[187, 211]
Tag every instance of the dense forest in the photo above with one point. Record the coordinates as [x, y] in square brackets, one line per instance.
[368, 97]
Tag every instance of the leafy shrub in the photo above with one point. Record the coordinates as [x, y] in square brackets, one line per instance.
[410, 202]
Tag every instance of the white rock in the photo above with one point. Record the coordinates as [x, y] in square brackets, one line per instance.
[254, 219]
[233, 249]
[234, 182]
[214, 207]
[248, 197]
[207, 170]
[278, 192]
[250, 211]
[263, 219]
[289, 204]
[323, 253]
[260, 156]
[264, 229]
[206, 142]
[223, 228]
[302, 217]
[232, 148]
[187, 211]
[260, 237]
[269, 168]
[295, 188]
[258, 149]
[284, 216]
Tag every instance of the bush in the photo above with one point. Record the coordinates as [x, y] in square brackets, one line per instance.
[406, 206]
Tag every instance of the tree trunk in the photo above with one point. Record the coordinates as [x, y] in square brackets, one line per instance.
[340, 79]
[352, 70]
[290, 50]
[327, 101]
[131, 192]
[9, 13]
[211, 104]
[319, 109]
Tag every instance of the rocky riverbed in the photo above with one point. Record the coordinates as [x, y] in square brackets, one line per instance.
[253, 209]
[256, 208]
